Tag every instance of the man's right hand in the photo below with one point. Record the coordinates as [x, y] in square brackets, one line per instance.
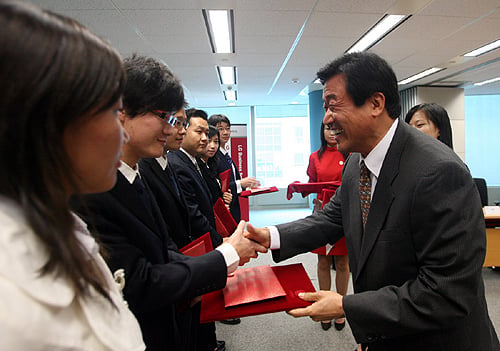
[245, 247]
[260, 235]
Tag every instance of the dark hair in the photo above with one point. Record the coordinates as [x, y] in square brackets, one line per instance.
[324, 144]
[216, 119]
[194, 112]
[437, 115]
[150, 86]
[365, 74]
[213, 162]
[56, 73]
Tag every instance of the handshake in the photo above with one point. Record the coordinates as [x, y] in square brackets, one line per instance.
[248, 243]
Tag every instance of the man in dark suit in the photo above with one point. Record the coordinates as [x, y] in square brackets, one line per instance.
[165, 187]
[160, 282]
[411, 218]
[191, 182]
[236, 183]
[164, 184]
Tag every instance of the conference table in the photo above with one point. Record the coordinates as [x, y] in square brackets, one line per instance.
[492, 221]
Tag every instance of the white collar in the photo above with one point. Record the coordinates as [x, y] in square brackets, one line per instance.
[375, 158]
[190, 157]
[128, 172]
[162, 161]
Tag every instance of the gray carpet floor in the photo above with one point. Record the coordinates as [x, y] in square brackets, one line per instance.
[281, 332]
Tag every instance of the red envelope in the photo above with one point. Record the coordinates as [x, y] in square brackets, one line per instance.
[225, 178]
[224, 221]
[256, 191]
[293, 279]
[198, 247]
[259, 283]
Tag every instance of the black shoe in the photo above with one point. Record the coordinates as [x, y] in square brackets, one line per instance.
[339, 326]
[326, 325]
[231, 321]
[221, 345]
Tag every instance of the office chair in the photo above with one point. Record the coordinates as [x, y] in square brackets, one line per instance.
[483, 190]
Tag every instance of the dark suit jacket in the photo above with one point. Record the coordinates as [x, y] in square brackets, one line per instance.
[416, 269]
[197, 195]
[173, 207]
[157, 276]
[234, 208]
[212, 179]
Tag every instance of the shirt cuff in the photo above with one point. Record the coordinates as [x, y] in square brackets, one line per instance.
[274, 237]
[230, 256]
[239, 189]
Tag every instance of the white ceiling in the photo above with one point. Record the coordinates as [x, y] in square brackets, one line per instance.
[436, 34]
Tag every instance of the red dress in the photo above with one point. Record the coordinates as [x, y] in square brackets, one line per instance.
[328, 169]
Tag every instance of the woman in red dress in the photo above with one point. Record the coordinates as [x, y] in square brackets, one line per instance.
[325, 165]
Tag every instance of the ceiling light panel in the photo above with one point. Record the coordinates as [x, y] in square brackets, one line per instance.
[484, 49]
[381, 29]
[487, 81]
[420, 75]
[219, 25]
[230, 95]
[227, 74]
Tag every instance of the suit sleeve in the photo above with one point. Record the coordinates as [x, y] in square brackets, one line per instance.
[447, 234]
[304, 235]
[151, 283]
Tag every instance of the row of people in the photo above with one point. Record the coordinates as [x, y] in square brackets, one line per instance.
[79, 147]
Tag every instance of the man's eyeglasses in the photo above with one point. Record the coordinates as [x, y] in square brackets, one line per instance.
[166, 116]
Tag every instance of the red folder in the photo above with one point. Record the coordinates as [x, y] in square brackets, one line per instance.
[256, 191]
[225, 178]
[224, 222]
[260, 282]
[198, 247]
[309, 188]
[293, 279]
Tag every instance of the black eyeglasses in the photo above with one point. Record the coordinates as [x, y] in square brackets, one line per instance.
[166, 116]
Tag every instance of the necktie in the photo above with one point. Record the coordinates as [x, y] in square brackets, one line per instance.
[173, 181]
[138, 184]
[228, 158]
[365, 188]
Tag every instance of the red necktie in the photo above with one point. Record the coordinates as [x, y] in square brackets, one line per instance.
[365, 188]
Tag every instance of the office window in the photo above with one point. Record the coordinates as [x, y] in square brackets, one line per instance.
[281, 146]
[482, 126]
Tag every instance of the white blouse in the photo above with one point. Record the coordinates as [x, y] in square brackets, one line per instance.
[43, 312]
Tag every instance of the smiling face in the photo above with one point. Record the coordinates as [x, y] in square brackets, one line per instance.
[93, 146]
[352, 125]
[329, 134]
[148, 135]
[174, 141]
[225, 132]
[212, 147]
[196, 138]
[420, 121]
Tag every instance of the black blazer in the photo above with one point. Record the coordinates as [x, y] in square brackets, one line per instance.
[197, 195]
[416, 269]
[224, 165]
[173, 207]
[157, 276]
[212, 179]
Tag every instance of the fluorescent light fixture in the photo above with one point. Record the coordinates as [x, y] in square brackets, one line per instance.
[377, 32]
[230, 95]
[488, 81]
[220, 24]
[484, 49]
[317, 81]
[420, 75]
[227, 74]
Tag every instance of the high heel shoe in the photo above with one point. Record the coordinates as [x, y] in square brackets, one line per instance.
[326, 325]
